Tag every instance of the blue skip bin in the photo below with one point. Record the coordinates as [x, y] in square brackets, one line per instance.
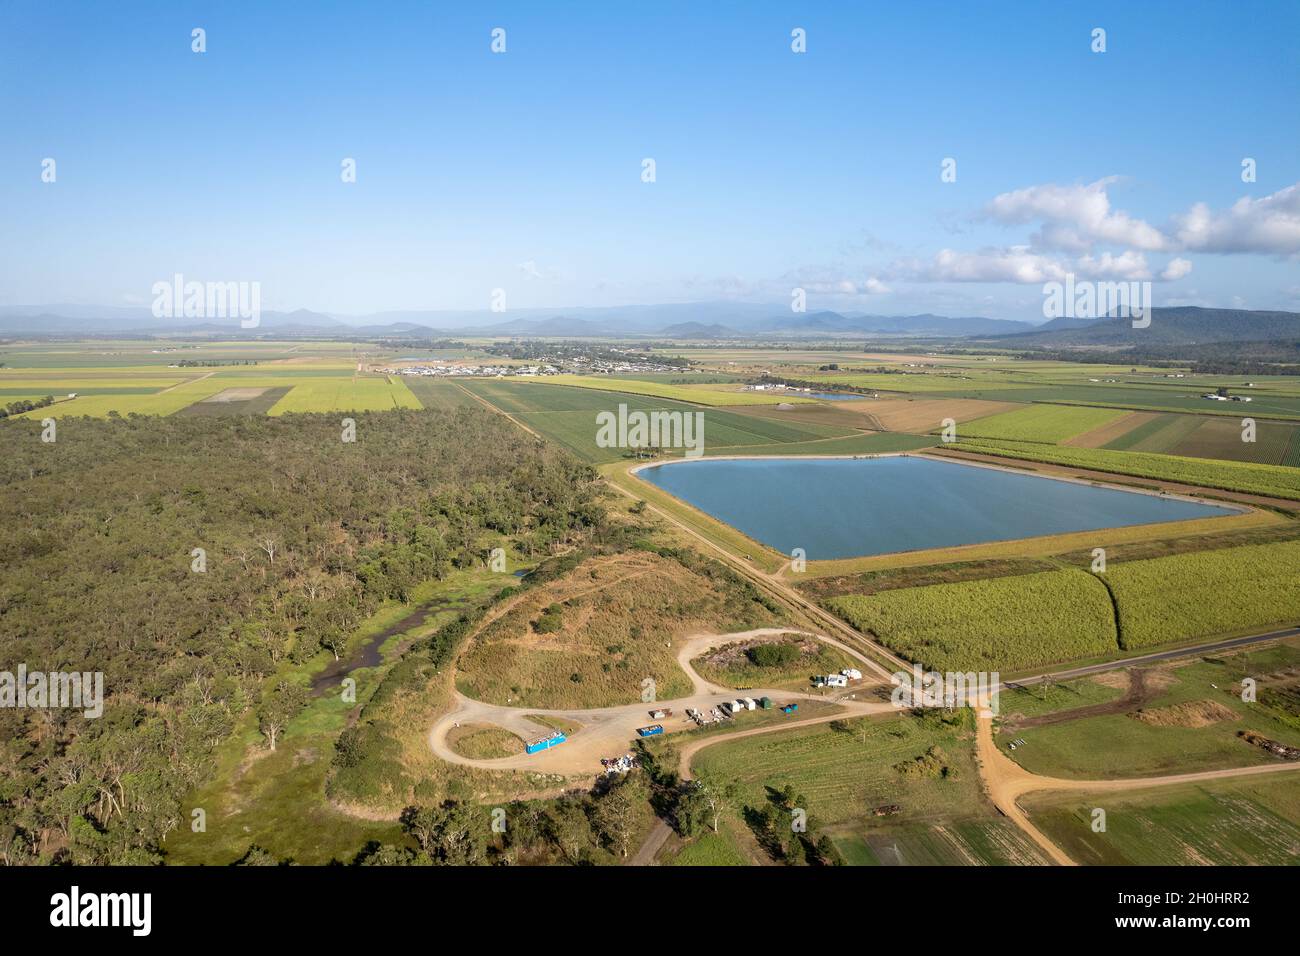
[650, 731]
[545, 743]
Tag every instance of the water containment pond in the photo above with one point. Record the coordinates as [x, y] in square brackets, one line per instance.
[851, 507]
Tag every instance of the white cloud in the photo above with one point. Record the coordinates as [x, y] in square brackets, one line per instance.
[1075, 218]
[1016, 264]
[1021, 265]
[1270, 225]
[1176, 269]
[1128, 265]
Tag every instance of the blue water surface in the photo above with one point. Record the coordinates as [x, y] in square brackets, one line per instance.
[842, 508]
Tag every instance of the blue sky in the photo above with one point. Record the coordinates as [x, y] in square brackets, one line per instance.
[522, 170]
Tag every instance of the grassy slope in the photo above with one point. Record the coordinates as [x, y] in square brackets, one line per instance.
[619, 623]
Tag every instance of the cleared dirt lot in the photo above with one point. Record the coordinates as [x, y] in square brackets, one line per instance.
[610, 731]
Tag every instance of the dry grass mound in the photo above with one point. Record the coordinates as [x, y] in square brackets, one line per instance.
[484, 742]
[591, 638]
[1192, 713]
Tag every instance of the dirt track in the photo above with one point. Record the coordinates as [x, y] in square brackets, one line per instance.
[1133, 698]
[609, 731]
[1006, 782]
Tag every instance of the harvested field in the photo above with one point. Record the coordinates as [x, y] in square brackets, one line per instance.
[235, 395]
[846, 414]
[237, 401]
[1222, 438]
[1160, 435]
[1111, 431]
[926, 414]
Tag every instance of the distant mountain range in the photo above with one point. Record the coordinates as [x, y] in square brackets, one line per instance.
[706, 321]
[1184, 325]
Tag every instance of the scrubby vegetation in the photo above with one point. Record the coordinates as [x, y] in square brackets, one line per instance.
[582, 829]
[299, 537]
[26, 405]
[768, 662]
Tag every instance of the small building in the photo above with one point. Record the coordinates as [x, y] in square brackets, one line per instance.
[749, 703]
[837, 680]
[765, 703]
[852, 673]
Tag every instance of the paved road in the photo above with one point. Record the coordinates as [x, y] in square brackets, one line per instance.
[1197, 650]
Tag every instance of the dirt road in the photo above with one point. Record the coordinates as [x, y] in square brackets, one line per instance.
[609, 731]
[1006, 781]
